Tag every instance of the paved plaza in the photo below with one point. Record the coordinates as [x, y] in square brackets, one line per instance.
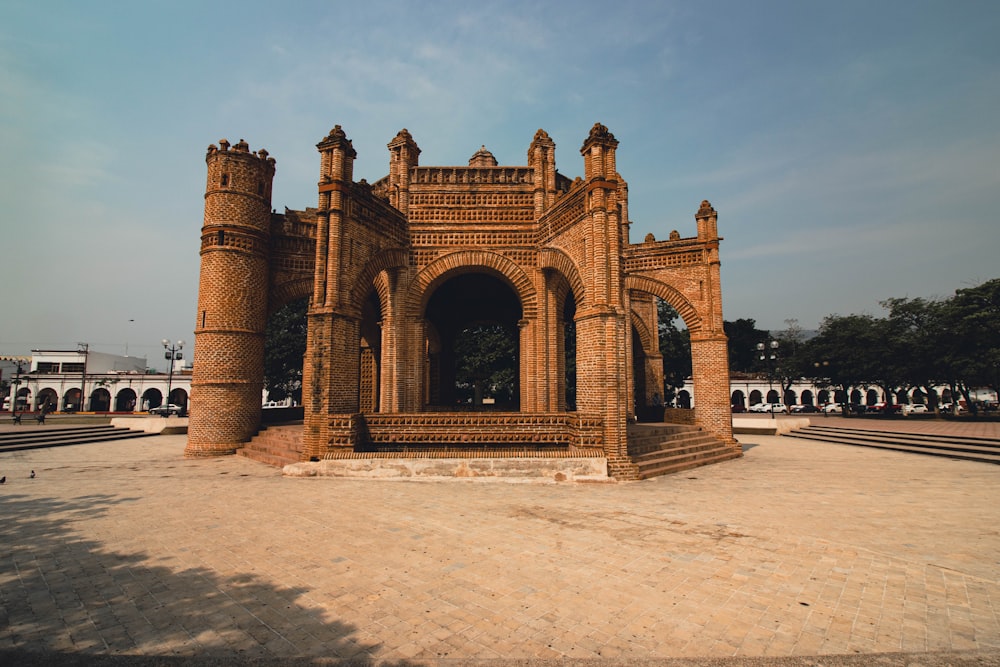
[798, 549]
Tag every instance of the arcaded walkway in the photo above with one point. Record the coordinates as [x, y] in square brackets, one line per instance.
[798, 548]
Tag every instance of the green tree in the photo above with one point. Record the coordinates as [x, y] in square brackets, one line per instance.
[917, 330]
[486, 362]
[851, 345]
[284, 349]
[971, 356]
[743, 336]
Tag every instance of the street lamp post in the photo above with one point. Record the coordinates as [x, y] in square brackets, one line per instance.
[768, 353]
[818, 365]
[172, 353]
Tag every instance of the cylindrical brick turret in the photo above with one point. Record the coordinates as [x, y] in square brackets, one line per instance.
[228, 374]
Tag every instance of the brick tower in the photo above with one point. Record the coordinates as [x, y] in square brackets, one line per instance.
[232, 300]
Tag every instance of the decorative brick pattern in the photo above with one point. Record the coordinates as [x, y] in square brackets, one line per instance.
[371, 257]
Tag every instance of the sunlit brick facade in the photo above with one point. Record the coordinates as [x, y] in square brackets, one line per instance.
[394, 268]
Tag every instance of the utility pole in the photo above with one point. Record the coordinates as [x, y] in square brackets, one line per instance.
[85, 349]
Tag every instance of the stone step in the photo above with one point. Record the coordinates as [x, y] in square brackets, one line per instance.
[681, 462]
[275, 445]
[676, 449]
[42, 437]
[665, 449]
[647, 445]
[985, 450]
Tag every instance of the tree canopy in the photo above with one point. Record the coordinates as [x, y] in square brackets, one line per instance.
[921, 343]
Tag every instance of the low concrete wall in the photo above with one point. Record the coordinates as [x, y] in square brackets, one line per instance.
[147, 424]
[768, 426]
[537, 470]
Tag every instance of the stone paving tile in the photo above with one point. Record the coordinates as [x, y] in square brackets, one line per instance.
[799, 548]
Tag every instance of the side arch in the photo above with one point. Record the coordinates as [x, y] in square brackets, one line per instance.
[677, 301]
[551, 258]
[287, 292]
[645, 335]
[386, 260]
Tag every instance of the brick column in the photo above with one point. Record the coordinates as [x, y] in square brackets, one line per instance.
[710, 376]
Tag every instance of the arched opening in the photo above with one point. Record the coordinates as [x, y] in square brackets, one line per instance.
[807, 397]
[125, 401]
[756, 397]
[178, 397]
[824, 396]
[22, 399]
[474, 322]
[772, 396]
[284, 350]
[71, 401]
[790, 398]
[639, 390]
[674, 345]
[48, 398]
[569, 352]
[371, 354]
[100, 400]
[151, 398]
[738, 401]
[684, 399]
[871, 398]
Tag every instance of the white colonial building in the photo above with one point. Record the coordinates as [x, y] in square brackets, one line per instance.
[57, 379]
[746, 390]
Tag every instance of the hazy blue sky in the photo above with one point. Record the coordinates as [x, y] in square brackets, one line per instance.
[852, 149]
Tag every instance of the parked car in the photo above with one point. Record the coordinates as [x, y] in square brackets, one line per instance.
[167, 410]
[768, 407]
[883, 409]
[857, 409]
[738, 409]
[915, 409]
[832, 408]
[804, 408]
[947, 407]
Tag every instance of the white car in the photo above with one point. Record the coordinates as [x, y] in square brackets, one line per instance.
[167, 410]
[833, 408]
[915, 409]
[769, 407]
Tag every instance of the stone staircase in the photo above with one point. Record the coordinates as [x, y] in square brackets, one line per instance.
[40, 437]
[657, 449]
[662, 449]
[275, 445]
[970, 448]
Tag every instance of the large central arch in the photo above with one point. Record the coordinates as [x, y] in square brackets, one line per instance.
[462, 311]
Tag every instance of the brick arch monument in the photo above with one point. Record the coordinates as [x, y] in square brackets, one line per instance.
[371, 256]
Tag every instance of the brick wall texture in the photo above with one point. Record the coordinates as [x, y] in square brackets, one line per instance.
[523, 246]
